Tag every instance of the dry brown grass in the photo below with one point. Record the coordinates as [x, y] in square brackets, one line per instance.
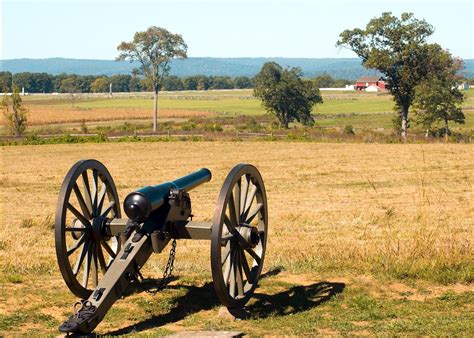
[397, 210]
[50, 114]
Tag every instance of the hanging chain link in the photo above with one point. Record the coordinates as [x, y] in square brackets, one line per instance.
[168, 270]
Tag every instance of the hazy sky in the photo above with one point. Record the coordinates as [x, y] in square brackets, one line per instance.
[218, 28]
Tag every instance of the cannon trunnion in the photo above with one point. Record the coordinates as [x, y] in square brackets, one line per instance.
[100, 253]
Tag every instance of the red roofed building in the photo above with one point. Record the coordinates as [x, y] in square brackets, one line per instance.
[374, 82]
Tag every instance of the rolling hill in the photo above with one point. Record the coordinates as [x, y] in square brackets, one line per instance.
[348, 68]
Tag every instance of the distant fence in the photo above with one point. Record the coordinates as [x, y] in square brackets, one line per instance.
[169, 134]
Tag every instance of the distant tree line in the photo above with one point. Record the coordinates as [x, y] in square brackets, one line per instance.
[326, 81]
[67, 83]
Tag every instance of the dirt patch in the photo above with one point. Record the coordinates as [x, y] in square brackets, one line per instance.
[55, 312]
[327, 332]
[421, 292]
[361, 333]
[299, 279]
[362, 323]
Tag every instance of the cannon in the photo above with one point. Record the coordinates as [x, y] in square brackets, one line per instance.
[100, 253]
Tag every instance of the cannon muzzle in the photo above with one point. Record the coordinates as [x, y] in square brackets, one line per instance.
[139, 204]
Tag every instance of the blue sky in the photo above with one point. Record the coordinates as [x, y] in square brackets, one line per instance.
[218, 28]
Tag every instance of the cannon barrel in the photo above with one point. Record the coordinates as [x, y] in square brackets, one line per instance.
[139, 204]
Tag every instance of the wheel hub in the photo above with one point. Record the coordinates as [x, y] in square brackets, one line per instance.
[250, 234]
[97, 228]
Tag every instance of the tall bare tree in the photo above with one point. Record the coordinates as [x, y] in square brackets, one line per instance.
[153, 49]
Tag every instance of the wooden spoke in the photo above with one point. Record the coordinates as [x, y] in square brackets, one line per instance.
[244, 190]
[238, 275]
[250, 199]
[229, 225]
[87, 266]
[254, 255]
[108, 249]
[78, 215]
[254, 213]
[102, 193]
[232, 277]
[87, 190]
[84, 206]
[109, 207]
[232, 215]
[228, 267]
[227, 252]
[227, 237]
[95, 184]
[76, 245]
[95, 267]
[236, 204]
[246, 268]
[80, 259]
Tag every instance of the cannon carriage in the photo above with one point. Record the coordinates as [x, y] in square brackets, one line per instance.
[100, 253]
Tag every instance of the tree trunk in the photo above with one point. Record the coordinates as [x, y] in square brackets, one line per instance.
[17, 121]
[155, 112]
[404, 124]
[446, 129]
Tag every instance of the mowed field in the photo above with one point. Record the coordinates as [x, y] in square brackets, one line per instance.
[359, 109]
[364, 238]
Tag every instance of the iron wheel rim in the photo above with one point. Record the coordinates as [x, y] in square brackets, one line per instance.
[89, 237]
[236, 261]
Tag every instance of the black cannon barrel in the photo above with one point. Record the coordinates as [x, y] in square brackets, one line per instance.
[139, 204]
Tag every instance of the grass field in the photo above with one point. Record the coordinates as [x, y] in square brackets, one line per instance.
[364, 239]
[359, 109]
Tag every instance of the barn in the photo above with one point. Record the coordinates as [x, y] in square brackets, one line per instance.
[375, 83]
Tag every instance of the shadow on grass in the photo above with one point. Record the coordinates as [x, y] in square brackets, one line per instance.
[296, 299]
[198, 298]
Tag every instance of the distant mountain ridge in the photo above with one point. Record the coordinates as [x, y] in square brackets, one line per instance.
[341, 68]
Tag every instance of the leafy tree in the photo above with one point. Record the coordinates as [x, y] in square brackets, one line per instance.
[242, 82]
[438, 101]
[172, 83]
[23, 80]
[340, 83]
[120, 82]
[323, 81]
[221, 82]
[5, 82]
[42, 83]
[284, 93]
[100, 85]
[69, 85]
[153, 49]
[14, 112]
[135, 84]
[84, 82]
[57, 82]
[190, 83]
[397, 47]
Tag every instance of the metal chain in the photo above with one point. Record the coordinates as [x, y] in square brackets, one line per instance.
[168, 270]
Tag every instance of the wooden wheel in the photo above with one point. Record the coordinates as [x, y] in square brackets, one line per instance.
[239, 236]
[83, 248]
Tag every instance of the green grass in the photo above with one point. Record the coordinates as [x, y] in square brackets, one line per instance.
[245, 104]
[278, 307]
